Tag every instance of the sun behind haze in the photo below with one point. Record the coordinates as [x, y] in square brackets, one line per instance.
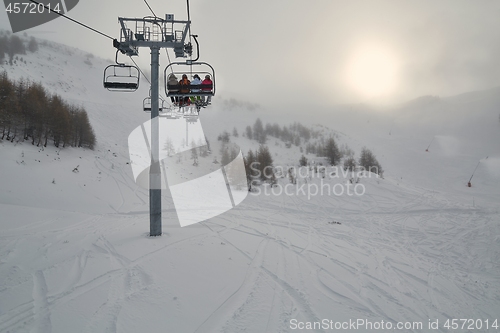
[372, 71]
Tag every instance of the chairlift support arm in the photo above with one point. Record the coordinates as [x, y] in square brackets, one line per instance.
[129, 43]
[197, 47]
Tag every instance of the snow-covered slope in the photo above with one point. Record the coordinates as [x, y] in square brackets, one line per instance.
[418, 245]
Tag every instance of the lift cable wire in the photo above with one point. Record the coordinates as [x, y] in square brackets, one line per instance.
[144, 75]
[97, 31]
[171, 69]
[73, 20]
[189, 31]
[169, 62]
[140, 70]
[147, 4]
[189, 20]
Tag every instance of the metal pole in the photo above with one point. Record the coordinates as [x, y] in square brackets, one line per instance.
[155, 170]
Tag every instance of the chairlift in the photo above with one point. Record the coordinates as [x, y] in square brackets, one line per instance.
[190, 68]
[146, 104]
[121, 77]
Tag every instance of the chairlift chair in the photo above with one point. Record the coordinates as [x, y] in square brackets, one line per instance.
[190, 68]
[121, 77]
[147, 104]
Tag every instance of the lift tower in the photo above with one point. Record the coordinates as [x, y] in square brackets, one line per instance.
[155, 33]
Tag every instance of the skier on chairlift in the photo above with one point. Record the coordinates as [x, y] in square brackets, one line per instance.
[184, 83]
[207, 81]
[196, 81]
[172, 82]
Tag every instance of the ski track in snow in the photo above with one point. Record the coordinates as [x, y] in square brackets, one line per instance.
[299, 266]
[127, 278]
[406, 248]
[41, 304]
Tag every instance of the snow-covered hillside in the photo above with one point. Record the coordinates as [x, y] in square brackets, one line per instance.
[418, 245]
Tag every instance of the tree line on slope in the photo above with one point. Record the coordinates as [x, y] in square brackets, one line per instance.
[13, 44]
[367, 160]
[258, 164]
[315, 143]
[295, 134]
[28, 112]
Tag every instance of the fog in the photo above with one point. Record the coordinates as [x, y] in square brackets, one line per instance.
[299, 52]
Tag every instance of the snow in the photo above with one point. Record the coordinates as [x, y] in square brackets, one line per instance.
[419, 245]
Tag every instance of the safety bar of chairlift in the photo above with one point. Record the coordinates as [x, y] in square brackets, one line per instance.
[189, 94]
[207, 87]
[201, 90]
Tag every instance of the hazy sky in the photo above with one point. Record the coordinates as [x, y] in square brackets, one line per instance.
[326, 51]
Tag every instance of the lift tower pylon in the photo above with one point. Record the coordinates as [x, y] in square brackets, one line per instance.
[154, 33]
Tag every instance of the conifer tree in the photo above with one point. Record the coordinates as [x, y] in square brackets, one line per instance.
[265, 163]
[225, 158]
[33, 45]
[350, 164]
[369, 162]
[87, 136]
[249, 132]
[16, 46]
[303, 161]
[331, 151]
[4, 47]
[59, 122]
[258, 132]
[9, 108]
[249, 168]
